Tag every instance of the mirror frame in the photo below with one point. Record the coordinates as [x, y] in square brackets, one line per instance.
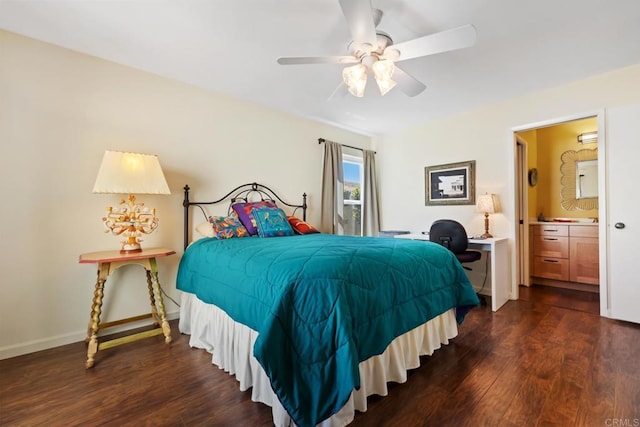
[568, 180]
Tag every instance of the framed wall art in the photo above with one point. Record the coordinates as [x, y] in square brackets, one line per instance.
[450, 184]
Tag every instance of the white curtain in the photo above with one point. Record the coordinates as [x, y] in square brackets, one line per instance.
[370, 206]
[331, 219]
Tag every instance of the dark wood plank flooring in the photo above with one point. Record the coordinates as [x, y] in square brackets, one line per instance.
[547, 359]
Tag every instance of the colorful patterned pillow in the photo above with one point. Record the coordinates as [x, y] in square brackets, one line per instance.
[300, 226]
[272, 222]
[226, 227]
[246, 217]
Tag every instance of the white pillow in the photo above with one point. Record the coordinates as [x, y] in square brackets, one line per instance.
[205, 229]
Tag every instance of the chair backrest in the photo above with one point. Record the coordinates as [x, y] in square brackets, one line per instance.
[450, 234]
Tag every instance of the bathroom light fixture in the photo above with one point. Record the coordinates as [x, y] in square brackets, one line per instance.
[588, 137]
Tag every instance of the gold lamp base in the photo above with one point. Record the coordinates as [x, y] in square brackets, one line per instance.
[130, 220]
[132, 243]
[130, 249]
[486, 234]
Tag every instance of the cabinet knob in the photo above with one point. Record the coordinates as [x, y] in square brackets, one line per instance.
[619, 225]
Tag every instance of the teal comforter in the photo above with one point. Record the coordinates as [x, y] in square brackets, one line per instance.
[323, 303]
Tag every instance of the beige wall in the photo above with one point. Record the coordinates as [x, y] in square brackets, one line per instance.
[484, 135]
[59, 111]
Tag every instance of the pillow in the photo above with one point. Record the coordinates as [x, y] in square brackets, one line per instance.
[246, 217]
[272, 222]
[226, 227]
[300, 226]
[205, 229]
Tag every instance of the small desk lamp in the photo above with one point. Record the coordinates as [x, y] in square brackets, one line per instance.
[487, 203]
[129, 173]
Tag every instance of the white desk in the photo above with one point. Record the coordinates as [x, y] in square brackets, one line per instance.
[499, 250]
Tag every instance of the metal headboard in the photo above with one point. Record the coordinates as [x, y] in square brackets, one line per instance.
[240, 193]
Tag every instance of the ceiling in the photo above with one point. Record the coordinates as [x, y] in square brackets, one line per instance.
[232, 46]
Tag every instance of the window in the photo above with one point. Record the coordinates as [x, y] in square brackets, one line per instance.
[353, 183]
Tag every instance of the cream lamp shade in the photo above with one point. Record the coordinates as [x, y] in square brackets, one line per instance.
[130, 173]
[487, 204]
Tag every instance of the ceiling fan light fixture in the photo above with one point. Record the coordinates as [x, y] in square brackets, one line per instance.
[375, 50]
[383, 71]
[357, 89]
[355, 78]
[385, 86]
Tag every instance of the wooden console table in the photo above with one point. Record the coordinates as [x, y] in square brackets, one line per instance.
[108, 262]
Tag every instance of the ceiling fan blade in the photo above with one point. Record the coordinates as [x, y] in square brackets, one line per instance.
[444, 41]
[407, 83]
[317, 60]
[359, 15]
[340, 92]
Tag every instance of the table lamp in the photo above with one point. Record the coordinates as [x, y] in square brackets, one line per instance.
[488, 204]
[130, 173]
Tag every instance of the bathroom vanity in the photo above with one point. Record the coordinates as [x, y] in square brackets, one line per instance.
[565, 255]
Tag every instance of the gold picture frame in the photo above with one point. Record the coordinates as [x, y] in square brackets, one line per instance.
[450, 184]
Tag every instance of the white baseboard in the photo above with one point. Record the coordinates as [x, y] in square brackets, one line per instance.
[59, 340]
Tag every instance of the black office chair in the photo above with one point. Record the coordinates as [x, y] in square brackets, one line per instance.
[452, 235]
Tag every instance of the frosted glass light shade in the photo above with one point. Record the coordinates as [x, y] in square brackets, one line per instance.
[385, 86]
[355, 78]
[382, 71]
[130, 173]
[588, 137]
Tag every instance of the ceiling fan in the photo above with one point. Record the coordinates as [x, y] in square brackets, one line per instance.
[373, 51]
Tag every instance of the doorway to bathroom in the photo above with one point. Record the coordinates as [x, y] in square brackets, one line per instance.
[557, 243]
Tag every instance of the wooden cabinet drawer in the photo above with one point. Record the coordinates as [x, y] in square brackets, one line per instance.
[583, 231]
[551, 230]
[551, 268]
[551, 246]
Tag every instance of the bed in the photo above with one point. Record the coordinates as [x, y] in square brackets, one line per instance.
[315, 323]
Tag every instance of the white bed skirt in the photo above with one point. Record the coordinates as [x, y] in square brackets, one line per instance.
[231, 346]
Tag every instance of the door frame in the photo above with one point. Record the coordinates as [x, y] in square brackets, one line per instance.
[522, 210]
[603, 217]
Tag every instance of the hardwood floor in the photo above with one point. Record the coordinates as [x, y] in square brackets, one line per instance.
[534, 362]
[559, 297]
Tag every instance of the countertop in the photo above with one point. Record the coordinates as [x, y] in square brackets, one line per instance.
[562, 223]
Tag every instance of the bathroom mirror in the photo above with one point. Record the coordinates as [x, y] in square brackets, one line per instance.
[579, 180]
[586, 179]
